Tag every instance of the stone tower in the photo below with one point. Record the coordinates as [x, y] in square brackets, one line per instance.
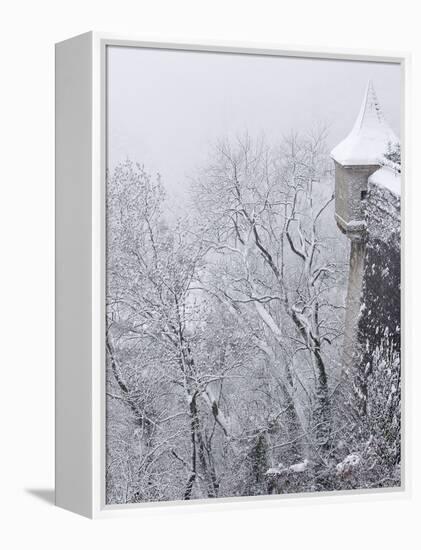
[367, 211]
[356, 158]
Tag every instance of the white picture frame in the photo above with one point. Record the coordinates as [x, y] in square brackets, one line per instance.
[80, 267]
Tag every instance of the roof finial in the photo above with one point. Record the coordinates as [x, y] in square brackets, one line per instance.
[370, 112]
[367, 142]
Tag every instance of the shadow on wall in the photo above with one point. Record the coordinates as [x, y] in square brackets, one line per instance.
[47, 495]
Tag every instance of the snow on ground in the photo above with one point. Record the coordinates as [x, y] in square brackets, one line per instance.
[298, 468]
[345, 467]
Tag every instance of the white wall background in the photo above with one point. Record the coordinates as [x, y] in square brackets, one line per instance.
[28, 30]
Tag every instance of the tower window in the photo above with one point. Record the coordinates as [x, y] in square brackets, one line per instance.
[363, 195]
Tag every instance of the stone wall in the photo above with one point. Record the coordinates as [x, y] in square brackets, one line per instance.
[379, 320]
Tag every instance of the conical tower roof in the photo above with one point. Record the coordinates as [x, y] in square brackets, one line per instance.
[369, 138]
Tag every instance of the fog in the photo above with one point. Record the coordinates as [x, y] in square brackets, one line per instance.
[166, 108]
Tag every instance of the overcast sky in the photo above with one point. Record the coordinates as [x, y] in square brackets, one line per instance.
[167, 108]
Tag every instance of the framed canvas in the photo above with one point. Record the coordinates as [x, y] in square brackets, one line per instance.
[228, 274]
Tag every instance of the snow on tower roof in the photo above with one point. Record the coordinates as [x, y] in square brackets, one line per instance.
[368, 140]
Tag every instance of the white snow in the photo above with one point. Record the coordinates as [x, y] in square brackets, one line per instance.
[348, 464]
[388, 178]
[356, 225]
[295, 468]
[273, 471]
[300, 467]
[369, 138]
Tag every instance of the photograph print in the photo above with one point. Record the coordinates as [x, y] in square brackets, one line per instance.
[253, 319]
